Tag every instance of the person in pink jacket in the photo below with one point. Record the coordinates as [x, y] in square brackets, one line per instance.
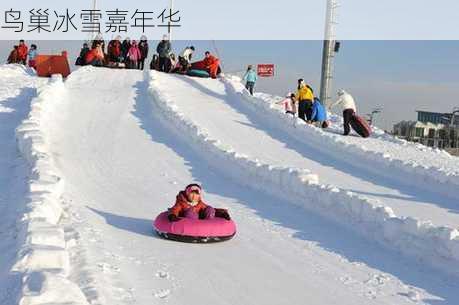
[289, 104]
[134, 55]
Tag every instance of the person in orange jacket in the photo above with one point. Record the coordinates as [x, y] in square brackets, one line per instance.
[95, 57]
[211, 64]
[189, 204]
[23, 50]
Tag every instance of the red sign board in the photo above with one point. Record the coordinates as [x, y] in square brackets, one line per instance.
[265, 70]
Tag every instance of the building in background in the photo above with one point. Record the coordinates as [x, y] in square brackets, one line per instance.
[439, 130]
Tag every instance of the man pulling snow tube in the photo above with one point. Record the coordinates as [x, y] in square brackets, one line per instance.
[191, 220]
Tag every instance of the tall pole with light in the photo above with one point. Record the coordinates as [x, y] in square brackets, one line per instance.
[330, 47]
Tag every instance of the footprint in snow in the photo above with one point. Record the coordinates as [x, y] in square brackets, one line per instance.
[162, 294]
[107, 268]
[378, 280]
[162, 274]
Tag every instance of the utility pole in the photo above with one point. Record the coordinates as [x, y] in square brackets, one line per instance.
[92, 35]
[170, 28]
[329, 49]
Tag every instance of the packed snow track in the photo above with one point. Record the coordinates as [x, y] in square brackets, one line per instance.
[123, 159]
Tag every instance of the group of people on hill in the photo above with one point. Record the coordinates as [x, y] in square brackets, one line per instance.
[21, 53]
[307, 106]
[132, 55]
[167, 61]
[120, 54]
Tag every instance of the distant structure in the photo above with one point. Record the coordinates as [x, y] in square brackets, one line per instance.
[433, 129]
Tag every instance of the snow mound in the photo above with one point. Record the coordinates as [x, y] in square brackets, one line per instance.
[436, 246]
[43, 258]
[408, 163]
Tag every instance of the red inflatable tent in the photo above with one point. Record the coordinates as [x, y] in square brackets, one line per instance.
[47, 65]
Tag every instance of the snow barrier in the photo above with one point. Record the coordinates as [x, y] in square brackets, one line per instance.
[43, 258]
[432, 178]
[436, 246]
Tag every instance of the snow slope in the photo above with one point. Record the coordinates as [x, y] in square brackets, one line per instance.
[414, 165]
[17, 89]
[223, 116]
[123, 143]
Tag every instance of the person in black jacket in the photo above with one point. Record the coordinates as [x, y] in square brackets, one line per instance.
[164, 49]
[81, 60]
[125, 46]
[143, 46]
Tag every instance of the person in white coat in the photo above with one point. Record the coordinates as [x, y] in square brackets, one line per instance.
[346, 101]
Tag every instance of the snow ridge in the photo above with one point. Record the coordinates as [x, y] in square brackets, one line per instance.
[436, 179]
[436, 246]
[43, 258]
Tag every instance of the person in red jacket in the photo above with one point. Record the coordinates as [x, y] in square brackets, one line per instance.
[114, 50]
[23, 50]
[13, 57]
[189, 204]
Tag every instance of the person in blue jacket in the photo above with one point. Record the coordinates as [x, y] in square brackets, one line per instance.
[251, 78]
[319, 113]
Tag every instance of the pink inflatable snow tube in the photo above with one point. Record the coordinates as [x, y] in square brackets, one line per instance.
[195, 230]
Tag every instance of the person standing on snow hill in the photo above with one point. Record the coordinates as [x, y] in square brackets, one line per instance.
[134, 55]
[164, 49]
[250, 78]
[23, 50]
[143, 47]
[32, 55]
[319, 113]
[114, 50]
[346, 101]
[125, 46]
[304, 96]
[13, 57]
[289, 104]
[189, 204]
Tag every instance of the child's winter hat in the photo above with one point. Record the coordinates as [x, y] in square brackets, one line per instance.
[193, 188]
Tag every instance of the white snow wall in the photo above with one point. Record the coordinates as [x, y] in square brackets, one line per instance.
[435, 246]
[434, 179]
[43, 259]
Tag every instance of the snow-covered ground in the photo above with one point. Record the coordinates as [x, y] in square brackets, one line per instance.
[17, 88]
[121, 144]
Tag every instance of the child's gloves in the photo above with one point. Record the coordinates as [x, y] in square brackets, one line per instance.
[222, 214]
[173, 217]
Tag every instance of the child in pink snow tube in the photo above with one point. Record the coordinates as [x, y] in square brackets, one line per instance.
[192, 220]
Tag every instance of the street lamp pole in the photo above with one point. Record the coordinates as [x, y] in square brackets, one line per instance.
[328, 52]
